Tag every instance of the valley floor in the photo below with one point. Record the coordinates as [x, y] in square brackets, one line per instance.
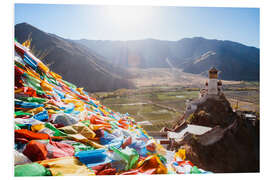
[161, 93]
[161, 106]
[167, 77]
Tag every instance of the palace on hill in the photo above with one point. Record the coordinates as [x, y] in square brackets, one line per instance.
[211, 88]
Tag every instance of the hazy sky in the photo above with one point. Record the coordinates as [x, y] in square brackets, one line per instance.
[141, 22]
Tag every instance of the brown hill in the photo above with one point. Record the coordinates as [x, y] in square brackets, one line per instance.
[215, 111]
[75, 62]
[232, 146]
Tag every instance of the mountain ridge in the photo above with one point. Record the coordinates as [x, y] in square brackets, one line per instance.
[155, 39]
[235, 61]
[183, 53]
[73, 61]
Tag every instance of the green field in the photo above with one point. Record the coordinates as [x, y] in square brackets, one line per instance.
[163, 106]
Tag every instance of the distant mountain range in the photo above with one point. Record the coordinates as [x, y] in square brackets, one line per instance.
[75, 62]
[103, 65]
[194, 55]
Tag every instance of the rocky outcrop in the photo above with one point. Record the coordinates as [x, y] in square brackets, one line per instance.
[232, 146]
[214, 111]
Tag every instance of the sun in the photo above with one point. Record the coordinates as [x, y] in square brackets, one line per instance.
[127, 16]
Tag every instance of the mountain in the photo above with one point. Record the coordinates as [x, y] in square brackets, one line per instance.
[138, 53]
[235, 61]
[194, 55]
[74, 61]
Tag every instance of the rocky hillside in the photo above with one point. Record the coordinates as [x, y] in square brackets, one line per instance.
[215, 111]
[232, 145]
[74, 61]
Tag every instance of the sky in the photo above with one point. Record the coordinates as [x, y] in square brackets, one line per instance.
[143, 22]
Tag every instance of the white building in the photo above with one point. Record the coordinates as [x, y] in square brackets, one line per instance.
[213, 86]
[213, 81]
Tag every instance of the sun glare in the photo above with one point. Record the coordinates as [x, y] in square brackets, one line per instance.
[128, 17]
